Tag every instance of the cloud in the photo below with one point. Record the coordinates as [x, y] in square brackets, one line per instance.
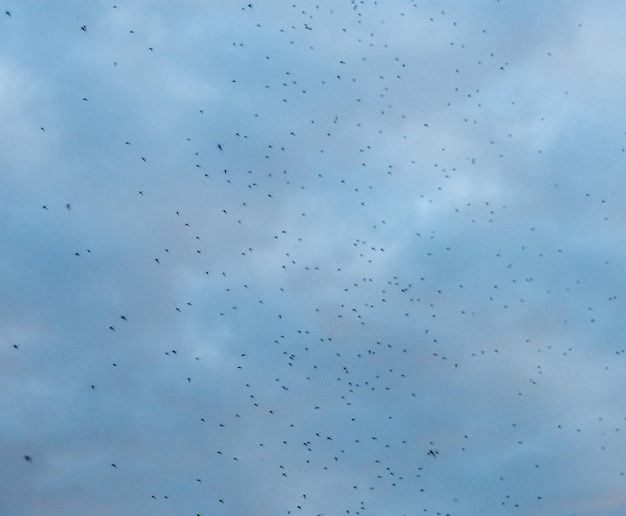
[261, 259]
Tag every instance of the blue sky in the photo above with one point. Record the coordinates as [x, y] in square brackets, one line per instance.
[262, 258]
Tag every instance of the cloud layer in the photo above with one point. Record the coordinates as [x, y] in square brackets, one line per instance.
[264, 259]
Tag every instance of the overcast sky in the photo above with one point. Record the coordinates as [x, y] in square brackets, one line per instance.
[332, 257]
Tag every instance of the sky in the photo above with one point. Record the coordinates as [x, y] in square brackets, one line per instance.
[318, 258]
